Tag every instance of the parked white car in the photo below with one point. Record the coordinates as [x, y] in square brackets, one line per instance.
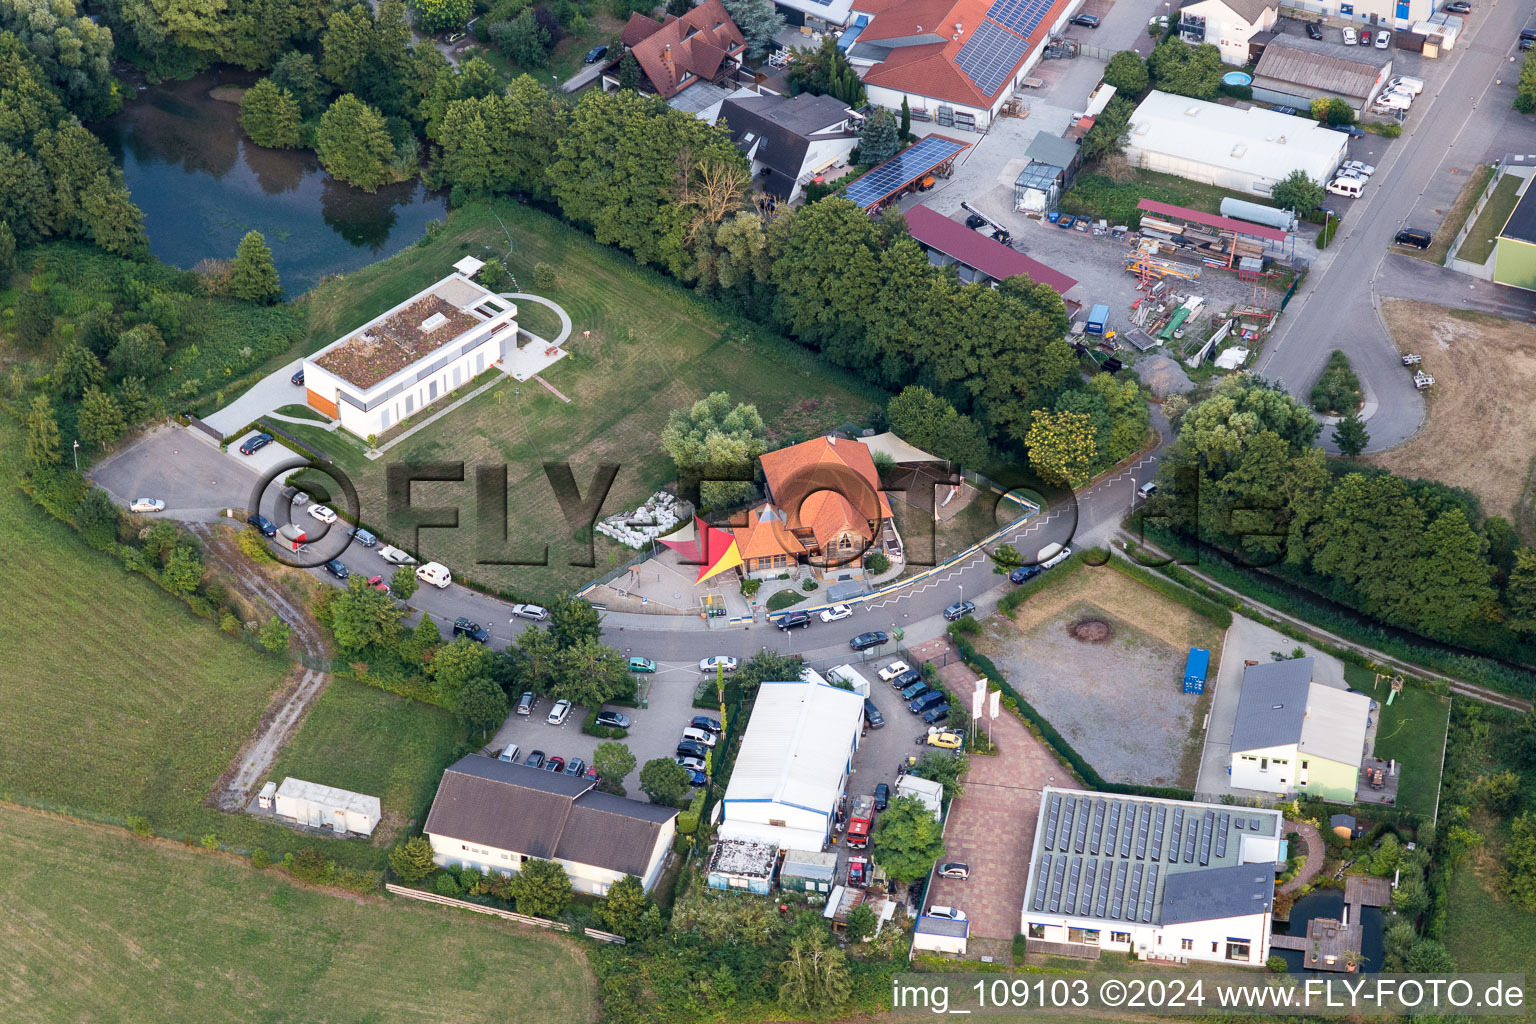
[1350, 39]
[837, 611]
[559, 712]
[1350, 188]
[1359, 166]
[146, 505]
[948, 913]
[394, 556]
[1383, 39]
[529, 611]
[724, 661]
[322, 513]
[703, 736]
[893, 670]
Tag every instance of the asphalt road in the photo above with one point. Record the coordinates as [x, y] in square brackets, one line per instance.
[1339, 308]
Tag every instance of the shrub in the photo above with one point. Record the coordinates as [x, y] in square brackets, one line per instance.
[140, 826]
[210, 842]
[260, 858]
[591, 728]
[876, 563]
[688, 821]
[1338, 389]
[1276, 964]
[1020, 947]
[544, 275]
[445, 884]
[809, 585]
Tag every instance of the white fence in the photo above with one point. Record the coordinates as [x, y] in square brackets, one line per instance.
[506, 915]
[1483, 270]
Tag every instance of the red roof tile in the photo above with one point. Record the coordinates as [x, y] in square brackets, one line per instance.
[696, 44]
[974, 249]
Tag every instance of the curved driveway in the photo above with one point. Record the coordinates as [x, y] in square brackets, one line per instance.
[1340, 309]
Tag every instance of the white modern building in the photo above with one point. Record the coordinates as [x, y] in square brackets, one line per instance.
[1244, 150]
[405, 359]
[793, 764]
[1228, 25]
[1295, 735]
[317, 806]
[494, 815]
[1373, 14]
[1165, 879]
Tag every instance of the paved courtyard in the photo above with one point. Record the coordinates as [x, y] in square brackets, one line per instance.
[992, 826]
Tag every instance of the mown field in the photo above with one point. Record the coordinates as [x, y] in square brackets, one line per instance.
[653, 347]
[1488, 934]
[100, 926]
[1412, 731]
[361, 738]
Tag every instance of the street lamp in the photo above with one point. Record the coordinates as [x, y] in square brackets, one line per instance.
[77, 456]
[1133, 494]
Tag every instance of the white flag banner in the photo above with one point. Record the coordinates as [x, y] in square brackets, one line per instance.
[977, 700]
[981, 686]
[994, 702]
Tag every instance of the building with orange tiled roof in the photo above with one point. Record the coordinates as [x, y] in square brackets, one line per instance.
[824, 506]
[679, 52]
[955, 62]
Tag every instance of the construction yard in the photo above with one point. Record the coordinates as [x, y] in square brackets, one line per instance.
[1102, 658]
[1479, 433]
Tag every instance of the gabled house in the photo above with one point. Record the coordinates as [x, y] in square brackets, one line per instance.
[1228, 25]
[824, 506]
[789, 139]
[701, 46]
[1294, 735]
[494, 815]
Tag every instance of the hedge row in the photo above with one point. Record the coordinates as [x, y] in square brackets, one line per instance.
[1055, 740]
[1049, 578]
[1217, 613]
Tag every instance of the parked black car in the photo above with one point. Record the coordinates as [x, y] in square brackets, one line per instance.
[535, 759]
[959, 610]
[336, 567]
[1086, 20]
[595, 54]
[706, 723]
[872, 715]
[928, 701]
[1024, 573]
[612, 720]
[298, 377]
[267, 527]
[864, 641]
[1313, 31]
[882, 796]
[692, 748]
[906, 679]
[935, 715]
[915, 690]
[255, 444]
[795, 620]
[1414, 237]
[1347, 129]
[473, 630]
[1457, 7]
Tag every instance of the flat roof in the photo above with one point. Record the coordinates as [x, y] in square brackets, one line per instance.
[1241, 227]
[329, 796]
[1521, 225]
[1108, 857]
[991, 257]
[743, 857]
[795, 750]
[432, 319]
[1255, 141]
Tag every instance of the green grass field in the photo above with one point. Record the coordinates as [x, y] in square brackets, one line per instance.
[361, 738]
[103, 927]
[1412, 731]
[653, 348]
[1479, 244]
[1485, 934]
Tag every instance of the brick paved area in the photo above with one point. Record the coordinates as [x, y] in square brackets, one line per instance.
[992, 827]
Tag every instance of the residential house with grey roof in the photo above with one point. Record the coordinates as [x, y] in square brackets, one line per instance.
[1293, 735]
[789, 139]
[1169, 880]
[495, 816]
[1228, 25]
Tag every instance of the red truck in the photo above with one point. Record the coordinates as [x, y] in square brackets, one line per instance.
[861, 823]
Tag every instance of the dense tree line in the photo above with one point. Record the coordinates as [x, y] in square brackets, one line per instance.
[1244, 475]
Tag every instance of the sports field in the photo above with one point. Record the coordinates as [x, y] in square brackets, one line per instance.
[100, 926]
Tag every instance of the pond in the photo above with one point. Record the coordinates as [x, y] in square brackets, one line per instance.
[1330, 903]
[202, 186]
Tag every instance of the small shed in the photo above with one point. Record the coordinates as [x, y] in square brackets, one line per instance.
[741, 864]
[1098, 316]
[1343, 825]
[808, 871]
[941, 935]
[265, 797]
[852, 676]
[929, 792]
[317, 806]
[845, 899]
[1195, 668]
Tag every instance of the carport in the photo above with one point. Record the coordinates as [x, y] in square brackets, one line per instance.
[933, 154]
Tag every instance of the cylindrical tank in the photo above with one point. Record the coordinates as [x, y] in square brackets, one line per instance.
[1257, 213]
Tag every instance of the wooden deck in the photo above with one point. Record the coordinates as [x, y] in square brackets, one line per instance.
[1327, 941]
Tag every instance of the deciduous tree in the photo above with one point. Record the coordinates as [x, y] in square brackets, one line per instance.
[299, 75]
[541, 888]
[573, 620]
[1127, 72]
[815, 977]
[663, 780]
[454, 665]
[183, 570]
[1297, 191]
[613, 760]
[1519, 590]
[139, 352]
[361, 617]
[274, 635]
[715, 445]
[403, 582]
[481, 705]
[760, 23]
[1061, 446]
[101, 421]
[1176, 66]
[440, 15]
[624, 909]
[590, 672]
[908, 839]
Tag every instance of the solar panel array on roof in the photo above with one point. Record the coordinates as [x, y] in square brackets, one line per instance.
[901, 170]
[1020, 15]
[1191, 838]
[1064, 832]
[1117, 891]
[1255, 824]
[1143, 823]
[1042, 881]
[1082, 827]
[1146, 904]
[1114, 826]
[1157, 833]
[1057, 876]
[1128, 829]
[990, 55]
[1098, 827]
[1178, 835]
[1073, 877]
[1135, 895]
[1085, 903]
[1207, 823]
[1052, 815]
[1221, 834]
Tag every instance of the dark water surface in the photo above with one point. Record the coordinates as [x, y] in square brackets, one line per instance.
[202, 186]
[1330, 903]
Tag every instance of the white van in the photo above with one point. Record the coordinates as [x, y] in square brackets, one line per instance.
[510, 754]
[434, 573]
[699, 736]
[1052, 555]
[1403, 83]
[1394, 100]
[1351, 187]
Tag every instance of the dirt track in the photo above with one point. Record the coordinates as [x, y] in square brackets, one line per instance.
[283, 716]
